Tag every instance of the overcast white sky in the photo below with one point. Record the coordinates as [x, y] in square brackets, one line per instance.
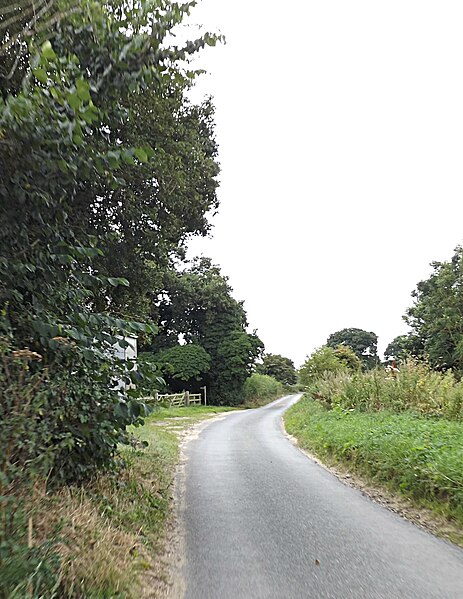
[340, 125]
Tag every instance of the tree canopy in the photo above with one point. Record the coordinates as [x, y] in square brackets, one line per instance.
[183, 366]
[436, 317]
[363, 343]
[403, 347]
[164, 201]
[280, 368]
[197, 306]
[328, 359]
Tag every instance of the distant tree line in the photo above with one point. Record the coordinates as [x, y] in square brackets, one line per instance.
[280, 368]
[436, 330]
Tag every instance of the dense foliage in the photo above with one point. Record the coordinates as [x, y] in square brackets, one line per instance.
[196, 306]
[106, 170]
[415, 387]
[403, 347]
[278, 367]
[436, 318]
[88, 136]
[184, 366]
[260, 389]
[163, 201]
[326, 360]
[363, 343]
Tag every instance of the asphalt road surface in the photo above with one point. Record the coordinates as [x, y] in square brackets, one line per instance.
[261, 520]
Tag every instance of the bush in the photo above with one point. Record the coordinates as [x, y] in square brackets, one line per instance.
[56, 424]
[63, 165]
[261, 388]
[327, 359]
[415, 387]
[56, 418]
[183, 366]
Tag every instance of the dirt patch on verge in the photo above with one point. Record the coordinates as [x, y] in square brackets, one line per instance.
[421, 516]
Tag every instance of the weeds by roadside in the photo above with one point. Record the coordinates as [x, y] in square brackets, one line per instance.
[100, 540]
[402, 429]
[414, 387]
[417, 457]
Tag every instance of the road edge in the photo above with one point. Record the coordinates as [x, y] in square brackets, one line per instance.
[175, 539]
[420, 516]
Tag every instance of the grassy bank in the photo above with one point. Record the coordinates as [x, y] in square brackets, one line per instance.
[102, 540]
[417, 457]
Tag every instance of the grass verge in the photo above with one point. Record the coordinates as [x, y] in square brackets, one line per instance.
[103, 540]
[415, 457]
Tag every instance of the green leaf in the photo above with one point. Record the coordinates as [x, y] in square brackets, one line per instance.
[83, 88]
[54, 93]
[141, 154]
[74, 101]
[98, 164]
[116, 281]
[148, 150]
[127, 156]
[62, 165]
[47, 51]
[41, 75]
[89, 115]
[113, 158]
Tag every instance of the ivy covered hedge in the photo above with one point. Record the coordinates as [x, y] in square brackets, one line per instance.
[75, 80]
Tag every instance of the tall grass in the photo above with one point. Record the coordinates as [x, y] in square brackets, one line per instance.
[95, 541]
[415, 387]
[99, 540]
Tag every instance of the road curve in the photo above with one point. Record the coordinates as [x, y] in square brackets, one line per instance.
[263, 521]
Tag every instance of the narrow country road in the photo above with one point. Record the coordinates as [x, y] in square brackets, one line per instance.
[261, 520]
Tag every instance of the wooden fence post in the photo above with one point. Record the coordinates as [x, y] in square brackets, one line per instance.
[187, 398]
[156, 397]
